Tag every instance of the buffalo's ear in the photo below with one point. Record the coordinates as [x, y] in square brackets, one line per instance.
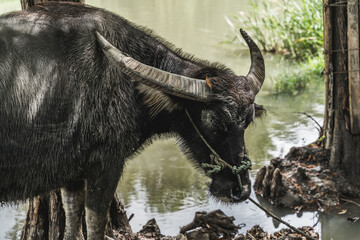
[259, 110]
[156, 101]
[208, 82]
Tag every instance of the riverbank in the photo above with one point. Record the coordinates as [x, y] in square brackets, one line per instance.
[304, 180]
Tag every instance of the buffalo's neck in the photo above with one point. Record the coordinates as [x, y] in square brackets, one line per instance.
[177, 124]
[171, 123]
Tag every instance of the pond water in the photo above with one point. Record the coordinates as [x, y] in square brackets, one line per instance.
[161, 183]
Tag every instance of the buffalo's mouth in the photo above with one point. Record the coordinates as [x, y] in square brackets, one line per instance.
[225, 187]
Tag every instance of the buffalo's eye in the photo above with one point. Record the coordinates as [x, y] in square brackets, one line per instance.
[246, 116]
[250, 117]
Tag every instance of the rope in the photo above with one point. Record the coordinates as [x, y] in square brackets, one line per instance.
[342, 4]
[220, 164]
[339, 4]
[327, 52]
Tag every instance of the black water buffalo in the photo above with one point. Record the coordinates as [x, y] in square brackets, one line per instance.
[71, 115]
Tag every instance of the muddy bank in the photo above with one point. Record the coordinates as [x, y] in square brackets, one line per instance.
[303, 180]
[213, 226]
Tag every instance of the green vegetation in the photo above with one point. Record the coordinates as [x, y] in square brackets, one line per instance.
[293, 29]
[292, 80]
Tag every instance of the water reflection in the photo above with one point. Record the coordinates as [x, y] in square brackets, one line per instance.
[161, 183]
[337, 226]
[285, 125]
[164, 178]
[12, 219]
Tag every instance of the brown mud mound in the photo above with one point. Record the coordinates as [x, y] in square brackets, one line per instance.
[303, 179]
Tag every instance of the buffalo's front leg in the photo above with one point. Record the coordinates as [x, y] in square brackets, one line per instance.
[99, 193]
[73, 202]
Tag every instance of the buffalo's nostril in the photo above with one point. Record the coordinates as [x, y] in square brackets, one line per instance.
[239, 195]
[236, 194]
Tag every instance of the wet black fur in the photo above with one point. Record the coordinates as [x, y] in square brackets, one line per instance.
[90, 117]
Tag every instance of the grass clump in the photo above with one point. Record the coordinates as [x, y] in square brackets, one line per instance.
[293, 29]
[293, 80]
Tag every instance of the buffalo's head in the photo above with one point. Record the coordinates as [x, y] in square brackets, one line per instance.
[225, 108]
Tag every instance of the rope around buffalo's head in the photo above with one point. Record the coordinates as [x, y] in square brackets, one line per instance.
[219, 164]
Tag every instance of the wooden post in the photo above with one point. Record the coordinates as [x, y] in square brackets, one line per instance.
[354, 65]
[344, 145]
[329, 108]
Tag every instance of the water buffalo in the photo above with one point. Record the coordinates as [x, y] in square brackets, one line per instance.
[73, 108]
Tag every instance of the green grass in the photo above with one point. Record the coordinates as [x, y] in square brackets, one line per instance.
[299, 76]
[293, 29]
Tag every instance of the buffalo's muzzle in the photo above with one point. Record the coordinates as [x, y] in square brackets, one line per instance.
[226, 188]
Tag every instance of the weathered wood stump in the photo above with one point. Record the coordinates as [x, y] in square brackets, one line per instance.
[45, 219]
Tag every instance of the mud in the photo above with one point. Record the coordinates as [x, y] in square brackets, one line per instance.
[303, 180]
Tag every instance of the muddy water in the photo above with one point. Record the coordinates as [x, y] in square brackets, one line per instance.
[161, 183]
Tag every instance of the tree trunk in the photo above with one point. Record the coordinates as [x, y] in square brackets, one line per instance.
[341, 137]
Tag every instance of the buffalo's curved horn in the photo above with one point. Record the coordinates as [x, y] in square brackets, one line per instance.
[173, 84]
[256, 73]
